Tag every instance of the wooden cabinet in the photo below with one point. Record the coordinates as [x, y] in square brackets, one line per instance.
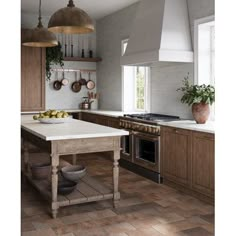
[176, 148]
[100, 119]
[32, 77]
[187, 161]
[88, 117]
[203, 163]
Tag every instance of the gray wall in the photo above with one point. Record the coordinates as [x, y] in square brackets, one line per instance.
[65, 98]
[199, 9]
[165, 79]
[110, 31]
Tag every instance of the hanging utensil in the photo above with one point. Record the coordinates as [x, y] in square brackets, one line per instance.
[57, 84]
[71, 45]
[90, 84]
[76, 86]
[65, 47]
[64, 81]
[82, 81]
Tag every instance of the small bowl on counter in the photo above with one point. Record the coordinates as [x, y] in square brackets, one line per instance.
[40, 171]
[66, 187]
[73, 172]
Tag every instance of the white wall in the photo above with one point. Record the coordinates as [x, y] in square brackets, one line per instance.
[65, 98]
[164, 79]
[110, 31]
[199, 9]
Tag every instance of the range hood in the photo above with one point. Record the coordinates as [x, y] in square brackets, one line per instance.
[160, 33]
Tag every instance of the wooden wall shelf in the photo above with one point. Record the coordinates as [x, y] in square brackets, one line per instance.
[85, 59]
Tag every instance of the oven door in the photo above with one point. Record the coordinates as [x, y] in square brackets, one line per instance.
[147, 151]
[127, 146]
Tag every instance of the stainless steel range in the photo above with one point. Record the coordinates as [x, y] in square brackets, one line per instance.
[141, 149]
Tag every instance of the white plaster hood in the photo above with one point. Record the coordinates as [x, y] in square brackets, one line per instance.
[160, 33]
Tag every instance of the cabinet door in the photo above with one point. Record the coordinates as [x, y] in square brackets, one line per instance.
[114, 123]
[32, 78]
[102, 120]
[176, 155]
[203, 163]
[88, 117]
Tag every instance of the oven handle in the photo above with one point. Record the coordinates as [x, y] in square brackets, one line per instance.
[147, 136]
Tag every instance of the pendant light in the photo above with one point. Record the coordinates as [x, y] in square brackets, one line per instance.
[40, 36]
[70, 20]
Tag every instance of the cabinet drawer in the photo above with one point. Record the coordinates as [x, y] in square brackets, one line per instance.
[175, 130]
[203, 135]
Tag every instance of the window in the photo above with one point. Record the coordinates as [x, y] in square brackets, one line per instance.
[135, 85]
[204, 51]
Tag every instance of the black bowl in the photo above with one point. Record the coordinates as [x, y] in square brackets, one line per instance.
[66, 187]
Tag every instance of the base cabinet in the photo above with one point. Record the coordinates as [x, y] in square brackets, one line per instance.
[203, 163]
[176, 151]
[100, 119]
[187, 161]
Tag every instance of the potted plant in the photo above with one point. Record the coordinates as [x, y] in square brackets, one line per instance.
[54, 55]
[200, 97]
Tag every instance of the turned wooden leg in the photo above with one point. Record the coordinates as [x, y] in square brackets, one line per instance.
[116, 197]
[54, 163]
[74, 156]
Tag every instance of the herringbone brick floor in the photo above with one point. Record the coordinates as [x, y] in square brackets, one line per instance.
[145, 209]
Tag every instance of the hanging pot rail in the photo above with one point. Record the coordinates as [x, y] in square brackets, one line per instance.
[73, 70]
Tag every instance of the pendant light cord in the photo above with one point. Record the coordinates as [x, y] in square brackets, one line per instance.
[40, 25]
[71, 3]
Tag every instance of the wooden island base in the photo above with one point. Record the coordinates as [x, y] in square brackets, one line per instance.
[88, 189]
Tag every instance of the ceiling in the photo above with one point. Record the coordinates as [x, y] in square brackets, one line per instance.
[95, 8]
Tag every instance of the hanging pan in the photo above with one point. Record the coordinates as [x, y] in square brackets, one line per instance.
[57, 84]
[64, 81]
[90, 84]
[82, 81]
[76, 86]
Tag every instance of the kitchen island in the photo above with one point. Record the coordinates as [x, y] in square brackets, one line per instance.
[71, 138]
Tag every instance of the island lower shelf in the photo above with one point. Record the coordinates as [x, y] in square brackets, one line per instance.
[88, 189]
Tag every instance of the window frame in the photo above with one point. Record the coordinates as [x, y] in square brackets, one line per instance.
[196, 34]
[147, 84]
[146, 89]
[198, 22]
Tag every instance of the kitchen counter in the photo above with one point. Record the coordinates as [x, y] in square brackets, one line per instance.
[209, 127]
[98, 112]
[75, 129]
[71, 138]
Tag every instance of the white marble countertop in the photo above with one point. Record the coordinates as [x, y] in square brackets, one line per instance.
[75, 129]
[208, 127]
[99, 112]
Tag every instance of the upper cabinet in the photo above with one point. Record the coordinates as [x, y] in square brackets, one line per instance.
[32, 77]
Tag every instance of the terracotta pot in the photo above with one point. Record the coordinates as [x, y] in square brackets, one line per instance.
[201, 112]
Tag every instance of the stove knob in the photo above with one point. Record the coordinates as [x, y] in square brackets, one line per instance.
[145, 129]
